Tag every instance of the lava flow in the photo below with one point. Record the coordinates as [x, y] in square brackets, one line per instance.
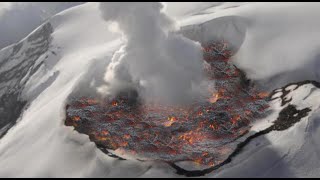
[201, 132]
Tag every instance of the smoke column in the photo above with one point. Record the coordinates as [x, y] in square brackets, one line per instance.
[157, 62]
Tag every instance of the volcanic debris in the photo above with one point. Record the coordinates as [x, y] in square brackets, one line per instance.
[202, 132]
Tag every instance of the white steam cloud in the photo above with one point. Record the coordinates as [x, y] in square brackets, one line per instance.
[158, 62]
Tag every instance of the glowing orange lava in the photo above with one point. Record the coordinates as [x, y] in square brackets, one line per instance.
[203, 132]
[76, 118]
[114, 103]
[263, 94]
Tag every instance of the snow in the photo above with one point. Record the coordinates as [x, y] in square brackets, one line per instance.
[281, 153]
[290, 88]
[17, 19]
[271, 41]
[271, 38]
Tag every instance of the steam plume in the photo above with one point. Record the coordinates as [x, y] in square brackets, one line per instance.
[154, 60]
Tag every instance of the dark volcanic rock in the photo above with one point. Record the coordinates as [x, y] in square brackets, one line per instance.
[203, 132]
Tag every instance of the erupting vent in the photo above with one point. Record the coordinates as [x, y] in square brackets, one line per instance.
[202, 132]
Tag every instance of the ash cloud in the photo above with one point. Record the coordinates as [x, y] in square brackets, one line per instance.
[157, 62]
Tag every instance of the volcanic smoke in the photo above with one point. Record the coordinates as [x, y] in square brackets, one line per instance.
[155, 61]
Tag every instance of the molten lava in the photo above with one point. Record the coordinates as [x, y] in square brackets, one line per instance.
[263, 94]
[202, 132]
[76, 118]
[114, 103]
[215, 96]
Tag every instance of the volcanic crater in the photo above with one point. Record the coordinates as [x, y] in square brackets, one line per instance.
[202, 132]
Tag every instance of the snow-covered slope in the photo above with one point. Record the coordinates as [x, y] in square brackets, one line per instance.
[71, 50]
[18, 19]
[18, 63]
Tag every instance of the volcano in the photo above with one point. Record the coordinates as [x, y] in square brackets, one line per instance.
[194, 139]
[261, 118]
[204, 132]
